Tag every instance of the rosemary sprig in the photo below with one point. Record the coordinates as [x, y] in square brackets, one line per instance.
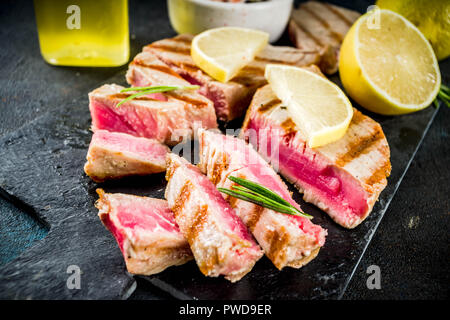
[443, 95]
[141, 91]
[255, 187]
[260, 195]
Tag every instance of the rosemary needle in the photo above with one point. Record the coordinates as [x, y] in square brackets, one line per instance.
[141, 91]
[444, 95]
[260, 195]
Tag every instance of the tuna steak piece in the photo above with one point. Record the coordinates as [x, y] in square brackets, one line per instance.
[145, 230]
[232, 98]
[218, 239]
[166, 117]
[343, 178]
[115, 155]
[147, 70]
[321, 27]
[287, 240]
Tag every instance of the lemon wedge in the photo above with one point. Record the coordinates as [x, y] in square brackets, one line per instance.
[388, 67]
[222, 52]
[317, 106]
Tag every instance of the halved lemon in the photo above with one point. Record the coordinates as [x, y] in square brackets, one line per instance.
[318, 107]
[432, 17]
[387, 65]
[222, 52]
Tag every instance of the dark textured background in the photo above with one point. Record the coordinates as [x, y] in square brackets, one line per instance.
[412, 241]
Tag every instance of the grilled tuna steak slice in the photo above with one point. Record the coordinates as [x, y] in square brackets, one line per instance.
[321, 27]
[218, 239]
[287, 240]
[343, 178]
[115, 155]
[232, 98]
[165, 117]
[147, 70]
[145, 230]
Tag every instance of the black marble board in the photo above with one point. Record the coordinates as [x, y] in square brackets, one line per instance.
[41, 166]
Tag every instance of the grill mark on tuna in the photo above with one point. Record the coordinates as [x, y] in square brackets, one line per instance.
[171, 48]
[254, 217]
[197, 225]
[210, 262]
[182, 39]
[171, 167]
[378, 175]
[325, 24]
[277, 243]
[253, 70]
[288, 125]
[274, 60]
[358, 117]
[266, 60]
[190, 67]
[357, 147]
[182, 198]
[308, 33]
[218, 169]
[187, 99]
[126, 95]
[267, 106]
[338, 14]
[292, 63]
[156, 67]
[248, 80]
[232, 201]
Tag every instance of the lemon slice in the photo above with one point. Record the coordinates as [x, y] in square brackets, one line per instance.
[318, 107]
[388, 67]
[222, 52]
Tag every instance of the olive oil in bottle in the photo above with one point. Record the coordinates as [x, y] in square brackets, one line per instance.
[83, 32]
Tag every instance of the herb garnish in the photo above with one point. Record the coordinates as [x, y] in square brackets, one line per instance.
[260, 195]
[444, 95]
[148, 90]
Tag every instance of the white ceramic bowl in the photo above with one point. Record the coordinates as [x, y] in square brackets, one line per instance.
[195, 16]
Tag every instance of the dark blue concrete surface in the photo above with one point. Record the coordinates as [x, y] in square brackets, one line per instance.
[18, 231]
[411, 245]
